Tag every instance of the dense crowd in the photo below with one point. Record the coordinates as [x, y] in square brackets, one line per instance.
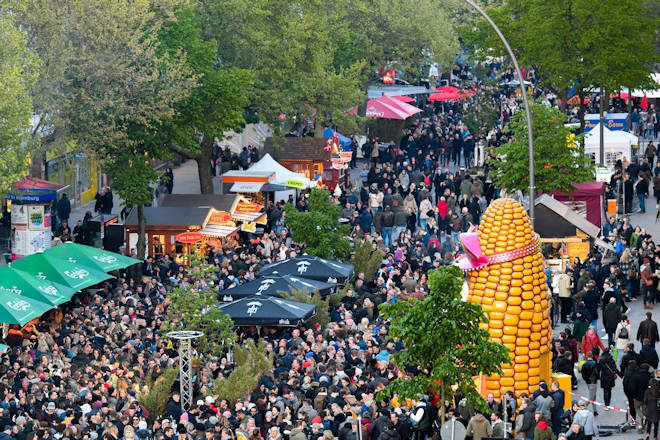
[78, 372]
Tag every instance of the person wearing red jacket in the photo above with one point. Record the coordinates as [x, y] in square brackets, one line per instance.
[443, 209]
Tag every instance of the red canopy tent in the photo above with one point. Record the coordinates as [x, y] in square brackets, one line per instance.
[447, 89]
[387, 108]
[403, 98]
[592, 194]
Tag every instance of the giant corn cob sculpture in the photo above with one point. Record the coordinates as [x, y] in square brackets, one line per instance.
[506, 275]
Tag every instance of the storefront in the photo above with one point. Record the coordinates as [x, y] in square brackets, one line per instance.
[76, 170]
[185, 224]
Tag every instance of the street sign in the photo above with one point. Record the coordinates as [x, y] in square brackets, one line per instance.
[603, 174]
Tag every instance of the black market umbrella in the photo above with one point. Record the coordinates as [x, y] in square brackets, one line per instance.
[263, 310]
[313, 268]
[272, 284]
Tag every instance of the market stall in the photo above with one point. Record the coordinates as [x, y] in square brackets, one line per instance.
[307, 156]
[617, 145]
[185, 224]
[588, 200]
[564, 233]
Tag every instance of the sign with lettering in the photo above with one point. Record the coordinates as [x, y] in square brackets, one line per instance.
[293, 183]
[219, 217]
[189, 237]
[245, 207]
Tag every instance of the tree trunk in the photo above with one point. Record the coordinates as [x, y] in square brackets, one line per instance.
[581, 113]
[564, 97]
[204, 165]
[142, 238]
[318, 130]
[629, 100]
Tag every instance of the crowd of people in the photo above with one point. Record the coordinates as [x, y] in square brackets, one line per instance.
[79, 372]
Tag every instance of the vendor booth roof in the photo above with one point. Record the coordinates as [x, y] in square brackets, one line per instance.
[296, 148]
[221, 202]
[255, 187]
[557, 220]
[609, 137]
[343, 140]
[592, 194]
[32, 183]
[218, 231]
[283, 174]
[169, 216]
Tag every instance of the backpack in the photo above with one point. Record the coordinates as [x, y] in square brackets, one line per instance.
[623, 334]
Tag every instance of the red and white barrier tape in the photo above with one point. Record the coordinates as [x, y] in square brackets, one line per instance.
[593, 402]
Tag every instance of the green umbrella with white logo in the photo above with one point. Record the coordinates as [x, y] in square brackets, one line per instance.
[57, 270]
[90, 256]
[17, 309]
[16, 282]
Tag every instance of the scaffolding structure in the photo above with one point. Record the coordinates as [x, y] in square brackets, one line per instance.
[185, 338]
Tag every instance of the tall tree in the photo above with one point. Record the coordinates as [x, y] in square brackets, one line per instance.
[558, 165]
[573, 45]
[195, 307]
[319, 229]
[18, 72]
[215, 105]
[444, 340]
[111, 86]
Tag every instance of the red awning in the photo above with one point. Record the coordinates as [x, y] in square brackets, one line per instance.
[387, 108]
[34, 183]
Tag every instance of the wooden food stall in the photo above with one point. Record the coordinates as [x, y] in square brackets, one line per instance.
[189, 223]
[564, 233]
[307, 156]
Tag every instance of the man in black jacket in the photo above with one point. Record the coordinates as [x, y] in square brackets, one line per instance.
[590, 374]
[648, 355]
[401, 424]
[557, 410]
[528, 411]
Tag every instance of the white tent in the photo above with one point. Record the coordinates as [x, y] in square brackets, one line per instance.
[283, 176]
[617, 144]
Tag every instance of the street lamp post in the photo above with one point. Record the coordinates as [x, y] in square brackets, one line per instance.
[528, 114]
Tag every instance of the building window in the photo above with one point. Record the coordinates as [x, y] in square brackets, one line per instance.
[158, 242]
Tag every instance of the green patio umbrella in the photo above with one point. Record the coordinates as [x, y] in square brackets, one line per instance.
[90, 256]
[21, 283]
[61, 271]
[17, 309]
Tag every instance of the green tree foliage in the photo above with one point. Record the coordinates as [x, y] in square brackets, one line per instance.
[319, 229]
[195, 307]
[411, 33]
[615, 45]
[294, 72]
[109, 87]
[557, 166]
[322, 316]
[366, 259]
[482, 115]
[250, 363]
[442, 337]
[18, 71]
[215, 105]
[156, 393]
